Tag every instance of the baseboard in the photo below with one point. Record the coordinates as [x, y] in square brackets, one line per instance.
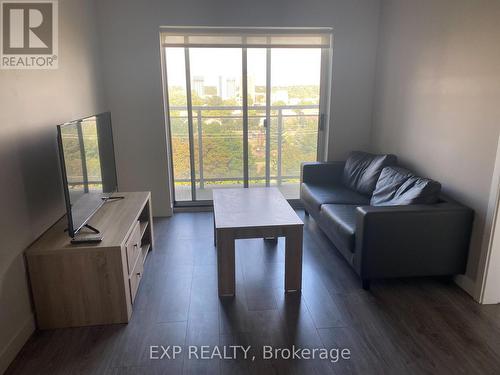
[193, 209]
[487, 301]
[16, 343]
[467, 284]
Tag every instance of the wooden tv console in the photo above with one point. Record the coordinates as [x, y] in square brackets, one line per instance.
[92, 284]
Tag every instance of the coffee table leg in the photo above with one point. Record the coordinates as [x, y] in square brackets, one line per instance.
[293, 259]
[225, 263]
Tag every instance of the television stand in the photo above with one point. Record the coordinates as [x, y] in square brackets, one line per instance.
[87, 238]
[89, 284]
[93, 237]
[112, 198]
[95, 230]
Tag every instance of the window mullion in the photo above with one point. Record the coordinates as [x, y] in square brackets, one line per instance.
[190, 123]
[244, 79]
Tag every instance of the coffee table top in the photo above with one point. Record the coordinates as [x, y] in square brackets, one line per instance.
[252, 207]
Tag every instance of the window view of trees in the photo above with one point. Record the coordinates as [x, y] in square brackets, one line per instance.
[218, 127]
[82, 175]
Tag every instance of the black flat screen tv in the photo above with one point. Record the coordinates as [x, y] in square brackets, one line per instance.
[88, 168]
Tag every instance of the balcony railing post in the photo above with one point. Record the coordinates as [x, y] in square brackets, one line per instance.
[280, 141]
[83, 158]
[200, 148]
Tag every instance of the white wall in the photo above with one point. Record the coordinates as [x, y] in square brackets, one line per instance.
[32, 103]
[130, 41]
[437, 98]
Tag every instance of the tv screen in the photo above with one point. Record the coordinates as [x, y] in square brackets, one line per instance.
[88, 167]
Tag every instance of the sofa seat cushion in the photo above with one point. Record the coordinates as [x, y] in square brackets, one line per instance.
[362, 170]
[316, 194]
[398, 186]
[341, 218]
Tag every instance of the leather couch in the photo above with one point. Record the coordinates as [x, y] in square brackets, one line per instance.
[386, 221]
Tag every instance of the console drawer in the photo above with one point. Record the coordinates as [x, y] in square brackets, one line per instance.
[135, 279]
[133, 247]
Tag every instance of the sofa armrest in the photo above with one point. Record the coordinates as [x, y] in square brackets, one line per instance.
[414, 240]
[321, 172]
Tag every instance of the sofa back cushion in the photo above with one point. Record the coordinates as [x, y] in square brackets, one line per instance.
[362, 170]
[398, 186]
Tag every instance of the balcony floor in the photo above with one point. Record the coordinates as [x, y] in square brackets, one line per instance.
[183, 192]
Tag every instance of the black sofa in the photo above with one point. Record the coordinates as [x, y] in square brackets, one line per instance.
[386, 221]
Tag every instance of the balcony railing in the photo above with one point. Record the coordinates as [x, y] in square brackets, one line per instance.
[302, 120]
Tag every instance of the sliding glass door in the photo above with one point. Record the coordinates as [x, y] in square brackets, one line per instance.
[243, 114]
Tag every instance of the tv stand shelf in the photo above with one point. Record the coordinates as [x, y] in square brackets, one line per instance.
[91, 284]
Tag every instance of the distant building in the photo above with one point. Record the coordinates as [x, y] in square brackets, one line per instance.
[220, 86]
[227, 88]
[198, 85]
[251, 88]
[231, 88]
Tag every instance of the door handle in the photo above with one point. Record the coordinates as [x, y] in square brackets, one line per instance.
[321, 126]
[265, 123]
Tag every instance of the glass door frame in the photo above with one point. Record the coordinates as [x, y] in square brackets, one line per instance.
[323, 116]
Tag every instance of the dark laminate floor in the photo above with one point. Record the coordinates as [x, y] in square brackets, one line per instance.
[401, 327]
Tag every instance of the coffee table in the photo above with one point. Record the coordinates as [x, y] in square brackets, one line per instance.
[255, 213]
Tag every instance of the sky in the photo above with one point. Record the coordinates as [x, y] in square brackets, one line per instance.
[289, 67]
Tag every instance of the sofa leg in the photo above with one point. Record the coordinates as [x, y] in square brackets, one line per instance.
[307, 213]
[365, 283]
